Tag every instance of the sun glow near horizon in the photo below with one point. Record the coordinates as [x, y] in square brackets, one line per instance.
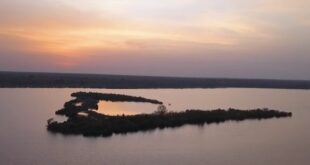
[75, 40]
[130, 26]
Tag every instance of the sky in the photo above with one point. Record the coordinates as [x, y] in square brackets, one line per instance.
[187, 38]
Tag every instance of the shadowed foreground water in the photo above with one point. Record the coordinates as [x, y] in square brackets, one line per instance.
[24, 139]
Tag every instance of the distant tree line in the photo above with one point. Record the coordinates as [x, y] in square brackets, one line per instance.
[60, 80]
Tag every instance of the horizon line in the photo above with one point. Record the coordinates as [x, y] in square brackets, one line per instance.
[157, 76]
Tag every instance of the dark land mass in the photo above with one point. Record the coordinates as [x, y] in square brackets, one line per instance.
[91, 123]
[85, 101]
[61, 80]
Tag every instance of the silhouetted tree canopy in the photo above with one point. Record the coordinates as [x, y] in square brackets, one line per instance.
[96, 124]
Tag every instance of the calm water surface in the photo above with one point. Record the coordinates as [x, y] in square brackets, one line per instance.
[24, 139]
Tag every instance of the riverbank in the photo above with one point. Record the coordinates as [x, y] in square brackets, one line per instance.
[61, 80]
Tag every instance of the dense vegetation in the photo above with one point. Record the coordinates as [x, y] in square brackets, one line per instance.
[85, 101]
[57, 80]
[91, 123]
[95, 124]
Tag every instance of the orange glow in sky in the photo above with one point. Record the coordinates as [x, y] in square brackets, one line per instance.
[197, 34]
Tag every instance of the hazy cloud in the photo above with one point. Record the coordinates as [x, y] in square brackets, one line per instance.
[234, 38]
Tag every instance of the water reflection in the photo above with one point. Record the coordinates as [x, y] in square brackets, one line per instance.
[126, 108]
[24, 139]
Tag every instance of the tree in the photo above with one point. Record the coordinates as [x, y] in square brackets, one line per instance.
[161, 110]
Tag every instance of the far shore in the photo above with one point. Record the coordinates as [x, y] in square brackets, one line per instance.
[66, 80]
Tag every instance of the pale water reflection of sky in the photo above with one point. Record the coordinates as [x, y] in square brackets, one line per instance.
[25, 140]
[126, 108]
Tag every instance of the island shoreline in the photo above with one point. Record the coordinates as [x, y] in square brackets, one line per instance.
[83, 118]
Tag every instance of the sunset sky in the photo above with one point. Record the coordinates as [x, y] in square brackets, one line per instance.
[192, 38]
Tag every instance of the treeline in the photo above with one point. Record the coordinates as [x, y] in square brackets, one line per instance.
[113, 97]
[85, 101]
[91, 123]
[58, 80]
[94, 124]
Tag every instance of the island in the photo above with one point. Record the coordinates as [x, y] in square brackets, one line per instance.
[83, 118]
